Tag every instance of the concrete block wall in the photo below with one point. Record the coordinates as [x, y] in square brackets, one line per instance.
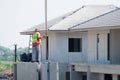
[26, 71]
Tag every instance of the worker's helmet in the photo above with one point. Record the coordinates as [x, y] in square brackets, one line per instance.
[36, 30]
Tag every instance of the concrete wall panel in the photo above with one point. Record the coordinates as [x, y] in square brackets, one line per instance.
[115, 46]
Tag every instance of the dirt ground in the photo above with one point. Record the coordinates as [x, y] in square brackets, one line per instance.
[6, 75]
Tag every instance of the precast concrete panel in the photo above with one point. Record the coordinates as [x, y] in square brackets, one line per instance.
[97, 46]
[115, 46]
[27, 71]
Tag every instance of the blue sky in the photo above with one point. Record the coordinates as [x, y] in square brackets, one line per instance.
[19, 15]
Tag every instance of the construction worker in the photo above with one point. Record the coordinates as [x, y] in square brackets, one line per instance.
[36, 42]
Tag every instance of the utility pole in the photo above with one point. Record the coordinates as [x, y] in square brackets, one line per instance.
[47, 55]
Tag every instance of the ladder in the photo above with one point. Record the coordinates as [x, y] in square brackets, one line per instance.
[30, 45]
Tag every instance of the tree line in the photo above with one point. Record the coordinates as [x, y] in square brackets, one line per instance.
[6, 54]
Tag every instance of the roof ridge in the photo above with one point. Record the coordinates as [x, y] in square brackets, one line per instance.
[94, 18]
[76, 10]
[72, 12]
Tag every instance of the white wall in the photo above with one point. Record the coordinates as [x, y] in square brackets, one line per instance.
[102, 48]
[27, 71]
[79, 56]
[52, 46]
[43, 50]
[58, 47]
[115, 46]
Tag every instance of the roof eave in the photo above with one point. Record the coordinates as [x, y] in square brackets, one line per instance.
[97, 28]
[31, 32]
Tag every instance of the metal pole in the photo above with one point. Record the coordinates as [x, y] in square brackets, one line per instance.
[15, 52]
[47, 55]
[15, 65]
[46, 15]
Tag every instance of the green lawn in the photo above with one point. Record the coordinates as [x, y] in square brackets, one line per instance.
[5, 65]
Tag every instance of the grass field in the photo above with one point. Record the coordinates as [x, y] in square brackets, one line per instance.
[5, 65]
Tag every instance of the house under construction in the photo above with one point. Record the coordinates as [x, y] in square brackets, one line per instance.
[82, 45]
